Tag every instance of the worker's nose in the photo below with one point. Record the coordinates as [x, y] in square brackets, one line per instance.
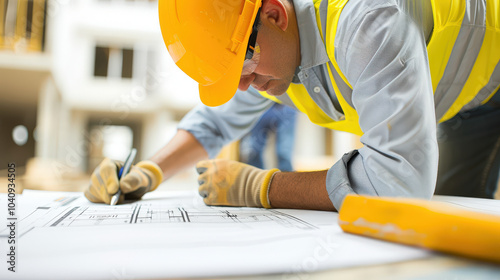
[245, 82]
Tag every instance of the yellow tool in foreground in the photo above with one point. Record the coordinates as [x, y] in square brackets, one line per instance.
[429, 224]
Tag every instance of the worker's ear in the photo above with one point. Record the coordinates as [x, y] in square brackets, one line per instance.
[275, 12]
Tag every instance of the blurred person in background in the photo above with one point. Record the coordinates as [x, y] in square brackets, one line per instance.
[280, 121]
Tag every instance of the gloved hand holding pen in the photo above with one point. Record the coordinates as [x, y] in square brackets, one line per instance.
[143, 177]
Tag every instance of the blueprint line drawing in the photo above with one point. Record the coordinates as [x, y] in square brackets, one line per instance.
[148, 213]
[67, 212]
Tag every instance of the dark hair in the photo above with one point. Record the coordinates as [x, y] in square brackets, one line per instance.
[258, 23]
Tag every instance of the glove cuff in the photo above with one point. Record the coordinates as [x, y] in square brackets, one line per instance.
[264, 190]
[154, 169]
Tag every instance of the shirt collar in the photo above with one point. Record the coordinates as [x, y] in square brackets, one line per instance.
[312, 48]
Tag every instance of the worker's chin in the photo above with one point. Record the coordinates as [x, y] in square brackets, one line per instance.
[277, 90]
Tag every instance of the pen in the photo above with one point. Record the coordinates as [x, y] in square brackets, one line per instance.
[123, 171]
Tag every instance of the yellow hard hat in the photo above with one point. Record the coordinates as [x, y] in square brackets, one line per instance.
[208, 39]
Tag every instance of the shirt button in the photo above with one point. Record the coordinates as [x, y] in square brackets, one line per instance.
[317, 89]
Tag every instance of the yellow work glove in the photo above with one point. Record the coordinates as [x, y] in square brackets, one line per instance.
[232, 183]
[143, 177]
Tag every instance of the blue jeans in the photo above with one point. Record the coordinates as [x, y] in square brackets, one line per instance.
[469, 152]
[278, 119]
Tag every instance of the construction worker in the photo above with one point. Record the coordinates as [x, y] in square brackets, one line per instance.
[389, 70]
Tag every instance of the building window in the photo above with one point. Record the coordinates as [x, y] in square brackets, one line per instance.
[127, 63]
[101, 61]
[113, 62]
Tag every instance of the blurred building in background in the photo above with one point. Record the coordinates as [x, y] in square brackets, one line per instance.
[81, 80]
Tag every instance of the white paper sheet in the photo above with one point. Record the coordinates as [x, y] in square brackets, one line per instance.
[173, 234]
[488, 206]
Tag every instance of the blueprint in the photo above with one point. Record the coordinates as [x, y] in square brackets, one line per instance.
[61, 235]
[150, 213]
[70, 210]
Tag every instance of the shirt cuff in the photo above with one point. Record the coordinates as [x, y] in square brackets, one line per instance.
[348, 176]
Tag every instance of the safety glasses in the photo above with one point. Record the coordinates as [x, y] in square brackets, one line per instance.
[252, 55]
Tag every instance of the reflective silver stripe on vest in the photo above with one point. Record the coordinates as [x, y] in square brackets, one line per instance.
[486, 91]
[463, 56]
[345, 90]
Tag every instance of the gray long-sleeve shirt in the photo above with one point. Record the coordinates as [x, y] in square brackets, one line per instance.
[380, 47]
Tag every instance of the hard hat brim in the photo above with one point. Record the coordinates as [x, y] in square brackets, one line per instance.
[223, 90]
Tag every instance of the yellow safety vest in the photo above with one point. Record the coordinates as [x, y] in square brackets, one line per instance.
[448, 18]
